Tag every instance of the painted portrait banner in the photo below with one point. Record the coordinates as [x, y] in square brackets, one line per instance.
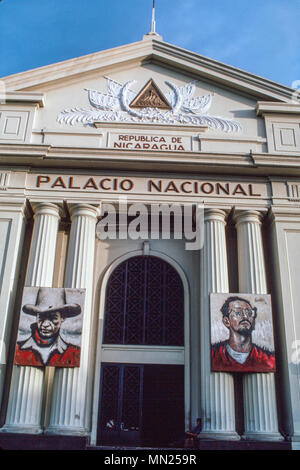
[50, 327]
[242, 338]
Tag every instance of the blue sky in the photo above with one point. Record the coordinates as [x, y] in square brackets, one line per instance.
[260, 36]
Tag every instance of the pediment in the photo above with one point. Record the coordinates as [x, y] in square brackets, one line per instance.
[146, 90]
[150, 51]
[117, 96]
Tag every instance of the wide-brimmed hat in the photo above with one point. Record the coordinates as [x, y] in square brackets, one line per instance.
[52, 300]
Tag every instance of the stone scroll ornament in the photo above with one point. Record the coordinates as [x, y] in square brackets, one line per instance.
[50, 327]
[116, 106]
[242, 337]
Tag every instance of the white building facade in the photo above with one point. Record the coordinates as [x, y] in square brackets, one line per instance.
[71, 141]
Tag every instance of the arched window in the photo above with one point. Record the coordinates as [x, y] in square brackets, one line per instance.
[144, 304]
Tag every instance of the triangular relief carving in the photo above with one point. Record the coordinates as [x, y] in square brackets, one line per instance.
[150, 97]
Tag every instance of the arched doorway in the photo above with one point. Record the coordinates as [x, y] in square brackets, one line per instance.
[142, 403]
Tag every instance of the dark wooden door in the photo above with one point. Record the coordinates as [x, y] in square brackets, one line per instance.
[163, 405]
[141, 405]
[120, 416]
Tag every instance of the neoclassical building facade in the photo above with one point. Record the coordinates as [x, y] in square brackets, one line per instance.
[142, 124]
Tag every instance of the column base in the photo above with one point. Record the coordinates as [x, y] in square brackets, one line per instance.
[263, 436]
[295, 442]
[14, 429]
[66, 431]
[220, 436]
[41, 442]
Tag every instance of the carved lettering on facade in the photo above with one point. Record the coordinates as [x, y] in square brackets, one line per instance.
[150, 142]
[144, 185]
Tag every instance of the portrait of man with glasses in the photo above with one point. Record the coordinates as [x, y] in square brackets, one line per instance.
[239, 353]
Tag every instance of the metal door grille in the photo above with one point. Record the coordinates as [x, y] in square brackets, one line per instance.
[110, 397]
[144, 304]
[121, 398]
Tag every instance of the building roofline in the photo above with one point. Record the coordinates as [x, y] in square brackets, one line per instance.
[153, 49]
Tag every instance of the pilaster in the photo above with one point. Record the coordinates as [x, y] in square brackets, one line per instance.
[284, 230]
[13, 217]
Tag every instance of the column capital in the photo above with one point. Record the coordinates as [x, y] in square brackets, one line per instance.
[46, 208]
[217, 215]
[247, 216]
[18, 205]
[84, 209]
[279, 214]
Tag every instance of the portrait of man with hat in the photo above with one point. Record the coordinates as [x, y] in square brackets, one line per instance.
[45, 346]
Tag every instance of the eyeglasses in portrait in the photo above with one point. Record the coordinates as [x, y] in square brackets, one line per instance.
[242, 338]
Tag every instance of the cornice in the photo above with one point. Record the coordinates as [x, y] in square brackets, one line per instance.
[271, 160]
[225, 73]
[43, 156]
[156, 51]
[263, 108]
[78, 65]
[284, 215]
[23, 98]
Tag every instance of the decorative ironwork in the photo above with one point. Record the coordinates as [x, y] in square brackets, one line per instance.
[144, 304]
[121, 398]
[110, 398]
[131, 409]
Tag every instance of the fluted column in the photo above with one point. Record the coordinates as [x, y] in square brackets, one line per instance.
[26, 391]
[217, 388]
[260, 410]
[72, 386]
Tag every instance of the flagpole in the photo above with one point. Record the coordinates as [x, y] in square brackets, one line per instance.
[153, 25]
[153, 32]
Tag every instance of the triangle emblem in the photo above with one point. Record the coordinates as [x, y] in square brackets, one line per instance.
[150, 97]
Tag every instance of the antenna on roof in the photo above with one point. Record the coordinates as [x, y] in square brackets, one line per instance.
[153, 26]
